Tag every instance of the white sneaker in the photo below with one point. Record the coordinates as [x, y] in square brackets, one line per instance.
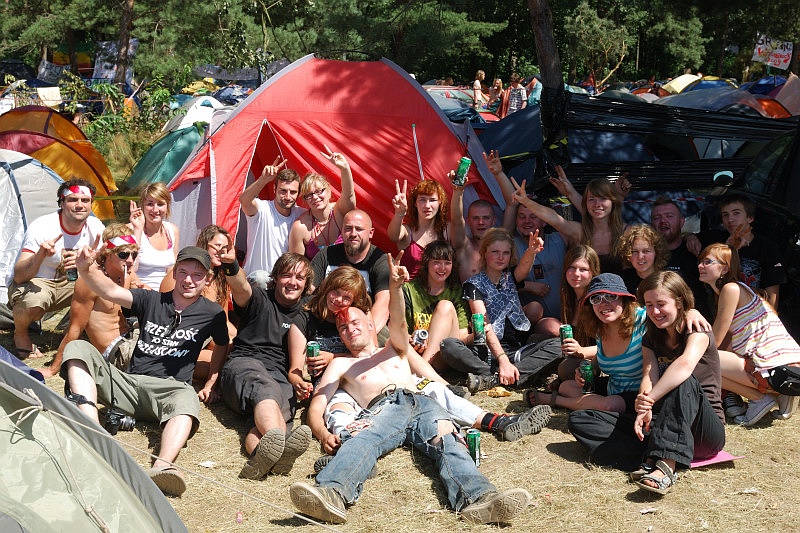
[756, 409]
[786, 407]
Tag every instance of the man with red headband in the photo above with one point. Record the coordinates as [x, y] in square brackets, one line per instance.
[102, 320]
[46, 258]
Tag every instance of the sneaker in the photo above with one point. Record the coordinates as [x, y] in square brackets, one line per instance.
[322, 503]
[786, 407]
[756, 409]
[460, 391]
[496, 507]
[734, 405]
[296, 445]
[477, 382]
[323, 461]
[515, 427]
[264, 457]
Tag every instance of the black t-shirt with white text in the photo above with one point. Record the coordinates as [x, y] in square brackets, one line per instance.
[169, 346]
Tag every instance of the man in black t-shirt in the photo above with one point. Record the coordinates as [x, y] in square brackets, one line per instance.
[173, 327]
[358, 252]
[255, 379]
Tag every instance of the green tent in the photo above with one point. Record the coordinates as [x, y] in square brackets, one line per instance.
[167, 155]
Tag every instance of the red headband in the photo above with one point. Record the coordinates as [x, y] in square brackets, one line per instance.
[122, 240]
[77, 189]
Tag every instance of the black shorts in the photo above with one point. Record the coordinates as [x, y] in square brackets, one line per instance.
[245, 382]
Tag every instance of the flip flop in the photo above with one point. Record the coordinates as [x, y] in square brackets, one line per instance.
[33, 353]
[537, 400]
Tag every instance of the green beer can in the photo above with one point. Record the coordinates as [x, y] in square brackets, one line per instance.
[474, 445]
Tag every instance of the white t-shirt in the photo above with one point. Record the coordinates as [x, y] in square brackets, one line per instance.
[48, 227]
[153, 264]
[267, 235]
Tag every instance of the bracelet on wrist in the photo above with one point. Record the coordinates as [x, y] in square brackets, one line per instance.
[230, 269]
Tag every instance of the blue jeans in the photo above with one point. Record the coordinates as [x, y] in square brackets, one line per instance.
[405, 418]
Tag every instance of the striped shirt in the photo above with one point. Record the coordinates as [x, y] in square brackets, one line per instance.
[758, 334]
[625, 370]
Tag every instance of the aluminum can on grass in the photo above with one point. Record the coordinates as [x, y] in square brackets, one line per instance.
[474, 445]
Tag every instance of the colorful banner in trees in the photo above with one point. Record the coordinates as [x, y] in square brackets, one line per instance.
[774, 53]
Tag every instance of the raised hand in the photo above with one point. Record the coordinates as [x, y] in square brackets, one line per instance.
[740, 237]
[623, 185]
[336, 158]
[48, 247]
[270, 171]
[87, 255]
[398, 274]
[535, 243]
[493, 162]
[520, 195]
[400, 200]
[137, 216]
[561, 182]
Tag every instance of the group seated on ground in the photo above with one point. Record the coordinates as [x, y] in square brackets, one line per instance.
[467, 307]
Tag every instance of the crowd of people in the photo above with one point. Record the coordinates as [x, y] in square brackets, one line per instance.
[669, 331]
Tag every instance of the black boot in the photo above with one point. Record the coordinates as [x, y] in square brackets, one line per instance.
[513, 427]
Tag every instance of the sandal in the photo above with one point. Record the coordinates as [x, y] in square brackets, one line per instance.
[537, 399]
[552, 383]
[33, 353]
[644, 469]
[664, 484]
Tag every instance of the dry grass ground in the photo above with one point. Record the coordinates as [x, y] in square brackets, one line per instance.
[758, 493]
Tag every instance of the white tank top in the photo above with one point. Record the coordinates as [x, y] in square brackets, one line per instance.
[153, 264]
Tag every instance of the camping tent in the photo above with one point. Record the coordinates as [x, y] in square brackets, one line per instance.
[49, 137]
[59, 474]
[197, 109]
[67, 159]
[27, 191]
[164, 158]
[381, 119]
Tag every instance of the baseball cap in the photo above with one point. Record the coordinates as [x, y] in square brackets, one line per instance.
[193, 253]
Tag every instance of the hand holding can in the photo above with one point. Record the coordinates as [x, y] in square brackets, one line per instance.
[68, 256]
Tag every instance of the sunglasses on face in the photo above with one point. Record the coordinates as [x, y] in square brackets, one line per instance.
[125, 255]
[318, 193]
[707, 262]
[599, 298]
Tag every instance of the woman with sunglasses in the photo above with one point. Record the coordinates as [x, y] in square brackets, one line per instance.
[321, 225]
[428, 220]
[758, 339]
[216, 241]
[158, 239]
[609, 314]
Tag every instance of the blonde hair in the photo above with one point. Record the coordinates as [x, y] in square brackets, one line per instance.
[157, 191]
[494, 235]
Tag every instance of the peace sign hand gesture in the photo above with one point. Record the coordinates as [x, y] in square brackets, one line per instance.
[137, 217]
[400, 201]
[398, 274]
[270, 171]
[336, 158]
[535, 243]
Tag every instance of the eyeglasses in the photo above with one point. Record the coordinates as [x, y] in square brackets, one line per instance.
[125, 255]
[707, 262]
[176, 321]
[318, 193]
[599, 298]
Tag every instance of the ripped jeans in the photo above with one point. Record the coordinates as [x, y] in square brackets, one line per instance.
[405, 418]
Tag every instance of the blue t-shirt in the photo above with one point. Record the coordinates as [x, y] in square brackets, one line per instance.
[625, 370]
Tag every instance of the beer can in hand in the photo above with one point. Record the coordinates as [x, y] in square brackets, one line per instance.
[312, 350]
[461, 172]
[587, 373]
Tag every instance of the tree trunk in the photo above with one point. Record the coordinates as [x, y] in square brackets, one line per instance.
[124, 40]
[554, 99]
[546, 51]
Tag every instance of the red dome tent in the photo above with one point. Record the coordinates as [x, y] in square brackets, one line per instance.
[373, 112]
